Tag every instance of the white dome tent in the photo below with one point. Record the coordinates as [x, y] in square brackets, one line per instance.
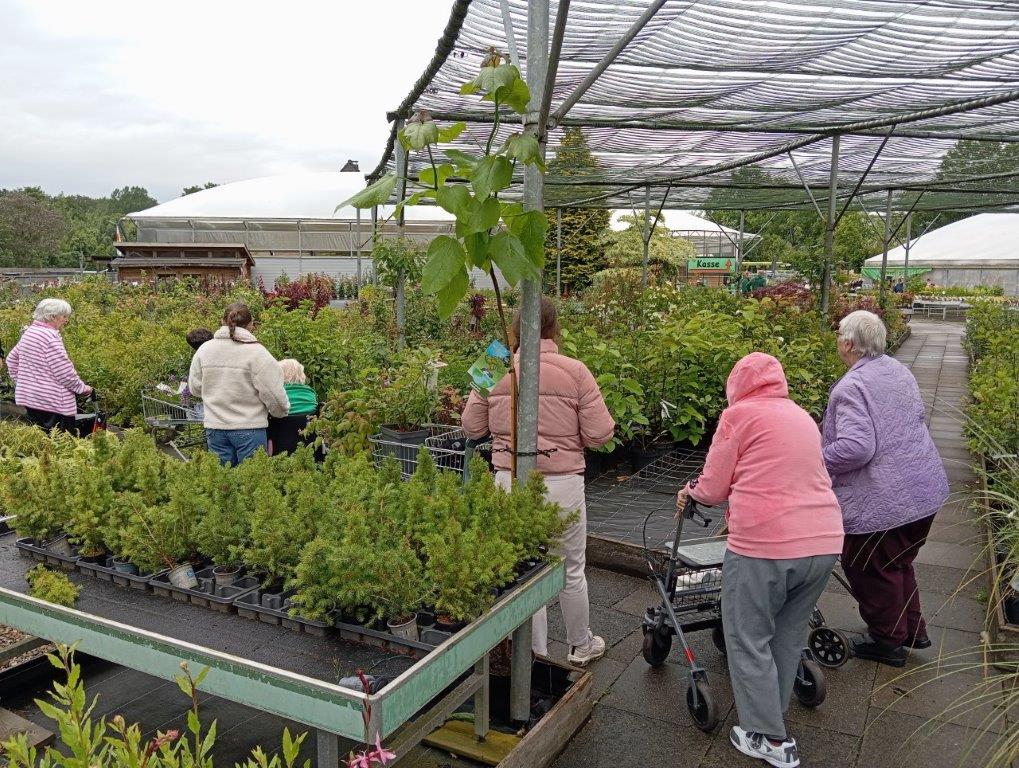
[978, 250]
[288, 223]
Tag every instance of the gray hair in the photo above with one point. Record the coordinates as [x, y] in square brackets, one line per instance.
[866, 331]
[50, 309]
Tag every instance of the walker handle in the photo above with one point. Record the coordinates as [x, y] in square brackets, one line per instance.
[692, 512]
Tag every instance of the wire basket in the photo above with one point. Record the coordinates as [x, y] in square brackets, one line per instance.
[448, 446]
[698, 595]
[166, 413]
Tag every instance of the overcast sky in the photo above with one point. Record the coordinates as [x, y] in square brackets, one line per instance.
[98, 95]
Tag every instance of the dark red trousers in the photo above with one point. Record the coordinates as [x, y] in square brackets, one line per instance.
[879, 567]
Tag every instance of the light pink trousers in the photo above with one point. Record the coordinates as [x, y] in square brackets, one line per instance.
[568, 492]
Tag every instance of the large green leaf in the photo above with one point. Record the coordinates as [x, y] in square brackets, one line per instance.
[514, 95]
[445, 259]
[490, 79]
[480, 216]
[464, 162]
[449, 296]
[477, 250]
[491, 175]
[524, 147]
[428, 175]
[507, 252]
[531, 228]
[372, 195]
[417, 135]
[450, 132]
[454, 198]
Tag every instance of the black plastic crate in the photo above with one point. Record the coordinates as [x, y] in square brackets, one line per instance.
[30, 548]
[274, 608]
[208, 594]
[105, 571]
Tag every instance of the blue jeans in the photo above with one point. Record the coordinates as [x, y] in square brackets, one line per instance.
[235, 445]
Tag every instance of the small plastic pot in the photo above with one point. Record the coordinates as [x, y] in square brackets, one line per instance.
[183, 576]
[404, 627]
[125, 566]
[426, 618]
[225, 575]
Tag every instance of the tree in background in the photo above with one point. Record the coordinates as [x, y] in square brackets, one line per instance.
[970, 158]
[30, 231]
[667, 254]
[198, 188]
[584, 229]
[37, 230]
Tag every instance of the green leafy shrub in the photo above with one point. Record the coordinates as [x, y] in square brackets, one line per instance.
[52, 586]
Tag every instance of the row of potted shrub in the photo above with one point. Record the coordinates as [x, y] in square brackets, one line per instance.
[341, 537]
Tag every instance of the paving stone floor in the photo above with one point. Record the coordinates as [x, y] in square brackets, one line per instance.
[874, 716]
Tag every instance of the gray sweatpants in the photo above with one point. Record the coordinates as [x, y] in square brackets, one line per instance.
[766, 605]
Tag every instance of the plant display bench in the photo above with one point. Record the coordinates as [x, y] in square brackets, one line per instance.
[285, 673]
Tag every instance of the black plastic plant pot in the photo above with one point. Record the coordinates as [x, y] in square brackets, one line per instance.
[447, 624]
[1012, 610]
[42, 553]
[426, 618]
[225, 575]
[391, 434]
[643, 456]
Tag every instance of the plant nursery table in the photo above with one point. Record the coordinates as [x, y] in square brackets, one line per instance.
[289, 674]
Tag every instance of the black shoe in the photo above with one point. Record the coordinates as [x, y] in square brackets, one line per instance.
[919, 643]
[882, 653]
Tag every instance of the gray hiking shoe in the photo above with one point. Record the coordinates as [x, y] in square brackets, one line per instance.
[757, 746]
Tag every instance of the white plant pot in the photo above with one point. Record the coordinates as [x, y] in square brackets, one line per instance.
[183, 576]
[408, 630]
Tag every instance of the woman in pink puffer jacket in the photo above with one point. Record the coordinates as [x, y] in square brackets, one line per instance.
[571, 417]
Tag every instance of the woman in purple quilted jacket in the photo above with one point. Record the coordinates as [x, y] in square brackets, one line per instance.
[889, 479]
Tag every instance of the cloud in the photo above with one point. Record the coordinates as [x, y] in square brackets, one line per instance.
[162, 95]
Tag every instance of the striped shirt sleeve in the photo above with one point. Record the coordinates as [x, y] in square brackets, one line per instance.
[61, 366]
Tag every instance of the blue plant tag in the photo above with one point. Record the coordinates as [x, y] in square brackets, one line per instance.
[497, 350]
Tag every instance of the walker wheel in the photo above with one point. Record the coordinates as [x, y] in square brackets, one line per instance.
[705, 712]
[718, 638]
[828, 647]
[810, 687]
[656, 646]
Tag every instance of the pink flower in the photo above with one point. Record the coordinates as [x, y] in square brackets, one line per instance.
[380, 755]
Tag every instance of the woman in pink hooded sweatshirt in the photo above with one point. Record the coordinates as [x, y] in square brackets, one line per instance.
[785, 532]
[571, 417]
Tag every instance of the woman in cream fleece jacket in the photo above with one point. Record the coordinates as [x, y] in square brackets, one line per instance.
[241, 384]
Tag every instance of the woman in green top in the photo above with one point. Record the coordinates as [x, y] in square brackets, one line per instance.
[303, 399]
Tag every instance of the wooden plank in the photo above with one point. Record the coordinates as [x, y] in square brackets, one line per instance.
[457, 737]
[543, 743]
[12, 725]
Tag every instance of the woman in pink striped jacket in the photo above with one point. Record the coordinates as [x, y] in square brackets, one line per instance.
[45, 382]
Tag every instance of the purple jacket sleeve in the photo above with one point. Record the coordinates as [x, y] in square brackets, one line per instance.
[855, 440]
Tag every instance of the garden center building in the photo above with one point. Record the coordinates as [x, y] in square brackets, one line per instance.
[289, 224]
[978, 250]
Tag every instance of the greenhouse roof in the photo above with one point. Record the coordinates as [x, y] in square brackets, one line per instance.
[981, 239]
[674, 95]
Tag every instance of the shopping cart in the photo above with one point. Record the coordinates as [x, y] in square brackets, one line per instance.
[182, 419]
[449, 447]
[689, 583]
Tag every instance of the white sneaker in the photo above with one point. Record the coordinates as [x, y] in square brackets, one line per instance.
[581, 657]
[757, 746]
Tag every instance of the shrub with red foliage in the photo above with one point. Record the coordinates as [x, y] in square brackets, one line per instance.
[318, 289]
[790, 293]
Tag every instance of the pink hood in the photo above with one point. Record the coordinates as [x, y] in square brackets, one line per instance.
[756, 375]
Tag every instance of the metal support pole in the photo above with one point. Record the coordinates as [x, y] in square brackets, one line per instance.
[520, 673]
[328, 749]
[511, 38]
[909, 237]
[884, 254]
[300, 250]
[558, 251]
[739, 248]
[358, 210]
[646, 236]
[829, 229]
[399, 289]
[482, 699]
[533, 200]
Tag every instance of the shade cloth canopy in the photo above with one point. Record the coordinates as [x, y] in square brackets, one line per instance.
[707, 86]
